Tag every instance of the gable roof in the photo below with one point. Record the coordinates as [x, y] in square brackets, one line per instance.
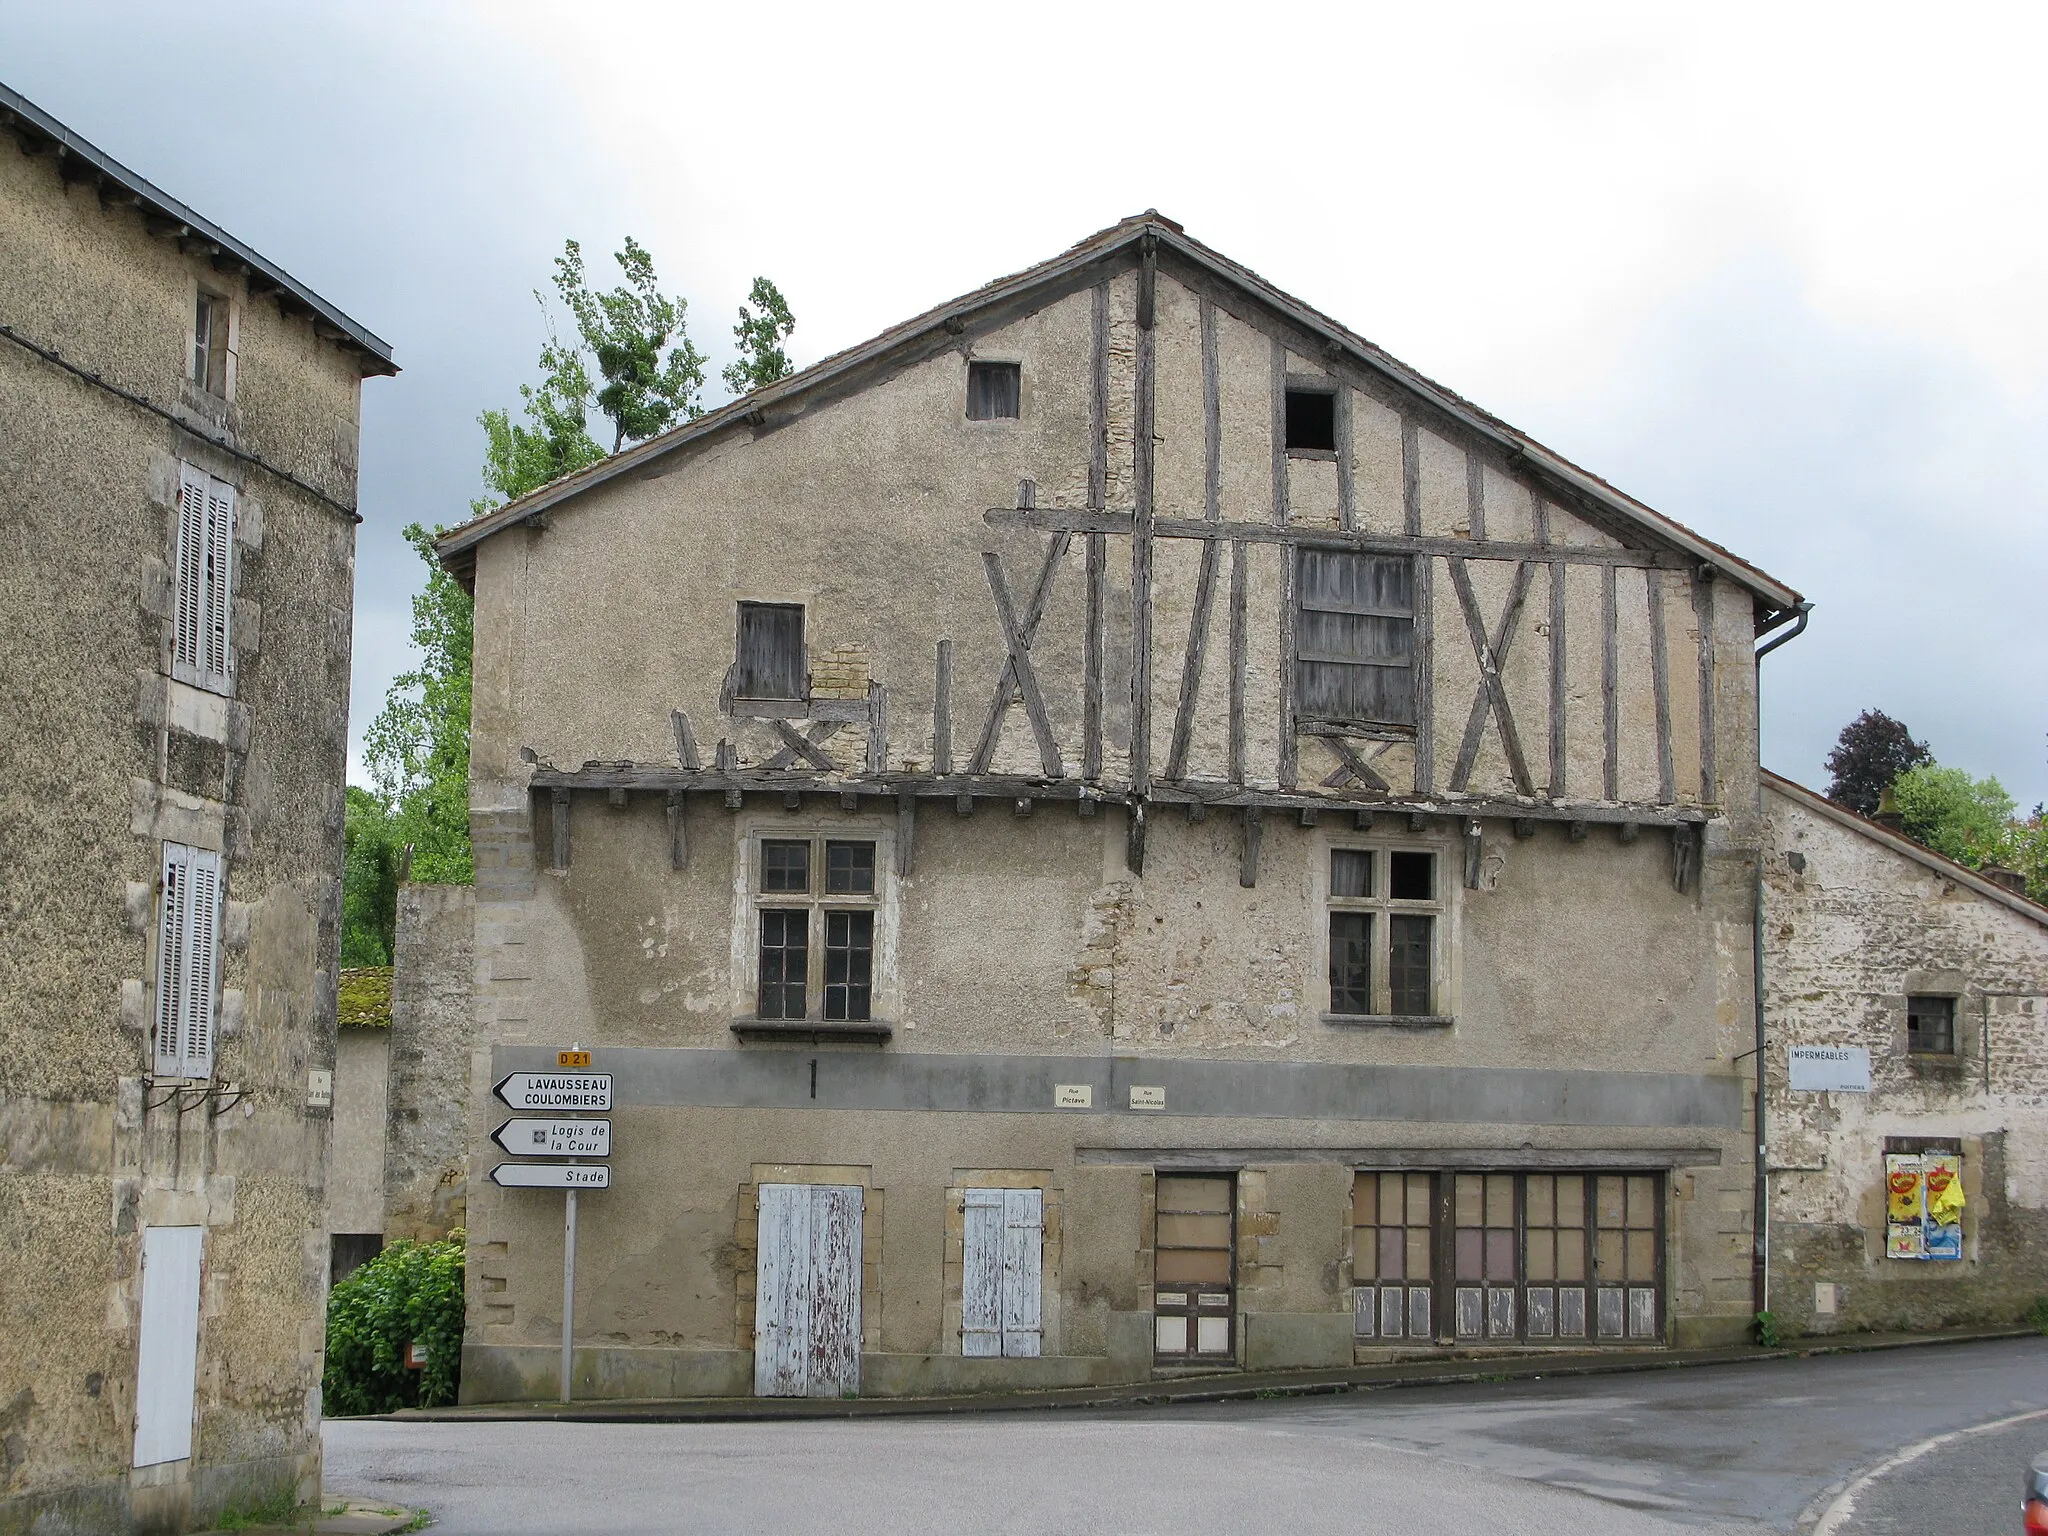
[164, 215]
[1904, 846]
[1572, 485]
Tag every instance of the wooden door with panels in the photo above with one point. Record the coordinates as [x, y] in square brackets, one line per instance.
[1002, 1246]
[807, 1291]
[1194, 1299]
[1393, 1262]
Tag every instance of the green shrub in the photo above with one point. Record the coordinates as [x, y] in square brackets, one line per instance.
[2037, 1315]
[1764, 1329]
[409, 1293]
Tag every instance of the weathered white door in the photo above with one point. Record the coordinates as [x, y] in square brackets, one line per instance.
[167, 1364]
[807, 1291]
[1002, 1240]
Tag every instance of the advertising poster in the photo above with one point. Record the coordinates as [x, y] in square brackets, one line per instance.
[1905, 1219]
[1941, 1178]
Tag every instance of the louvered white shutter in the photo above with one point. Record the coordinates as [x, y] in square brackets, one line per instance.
[981, 1273]
[200, 651]
[173, 900]
[188, 961]
[1023, 1229]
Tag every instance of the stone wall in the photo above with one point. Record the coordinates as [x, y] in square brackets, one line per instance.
[426, 1159]
[1856, 919]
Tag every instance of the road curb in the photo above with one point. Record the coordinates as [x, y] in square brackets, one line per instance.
[1233, 1387]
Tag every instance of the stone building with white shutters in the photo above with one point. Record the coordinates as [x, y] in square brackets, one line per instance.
[1114, 828]
[178, 418]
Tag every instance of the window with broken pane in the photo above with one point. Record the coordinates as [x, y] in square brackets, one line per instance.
[1383, 933]
[816, 910]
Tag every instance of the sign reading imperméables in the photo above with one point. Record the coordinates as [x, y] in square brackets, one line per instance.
[555, 1138]
[569, 1176]
[1829, 1069]
[557, 1090]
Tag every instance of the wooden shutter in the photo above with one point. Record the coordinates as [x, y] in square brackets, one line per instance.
[771, 651]
[1001, 1248]
[167, 1357]
[1023, 1227]
[200, 649]
[807, 1291]
[834, 1367]
[188, 960]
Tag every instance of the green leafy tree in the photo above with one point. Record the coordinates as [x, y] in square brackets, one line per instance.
[652, 371]
[1872, 750]
[760, 334]
[371, 856]
[418, 746]
[555, 440]
[411, 1293]
[1968, 820]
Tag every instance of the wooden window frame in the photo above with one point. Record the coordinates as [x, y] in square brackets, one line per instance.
[770, 704]
[1195, 1301]
[1643, 1308]
[210, 365]
[1382, 909]
[984, 367]
[1401, 730]
[817, 903]
[1934, 1053]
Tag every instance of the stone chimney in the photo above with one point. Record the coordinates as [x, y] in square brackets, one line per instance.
[2011, 879]
[1888, 813]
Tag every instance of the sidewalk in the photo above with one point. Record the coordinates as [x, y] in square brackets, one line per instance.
[356, 1518]
[1221, 1387]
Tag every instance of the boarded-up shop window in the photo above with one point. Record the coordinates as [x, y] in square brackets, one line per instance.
[1002, 1242]
[1508, 1257]
[771, 652]
[1193, 1299]
[188, 950]
[1383, 936]
[1931, 1026]
[995, 391]
[815, 944]
[1354, 638]
[205, 560]
[210, 344]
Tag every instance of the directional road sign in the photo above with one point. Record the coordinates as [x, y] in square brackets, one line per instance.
[555, 1138]
[569, 1176]
[572, 1091]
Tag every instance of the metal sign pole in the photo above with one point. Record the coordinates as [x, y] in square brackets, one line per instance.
[568, 1285]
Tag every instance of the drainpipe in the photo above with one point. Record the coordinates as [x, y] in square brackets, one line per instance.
[1760, 1263]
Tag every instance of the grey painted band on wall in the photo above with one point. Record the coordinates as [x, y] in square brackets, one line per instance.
[977, 1084]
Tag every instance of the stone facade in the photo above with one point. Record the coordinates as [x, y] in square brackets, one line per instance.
[112, 760]
[425, 1170]
[1105, 820]
[1859, 919]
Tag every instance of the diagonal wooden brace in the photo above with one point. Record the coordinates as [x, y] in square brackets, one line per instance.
[805, 746]
[1354, 768]
[1017, 670]
[1493, 694]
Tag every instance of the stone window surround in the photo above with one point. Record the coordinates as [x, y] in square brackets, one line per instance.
[746, 1233]
[1446, 908]
[751, 829]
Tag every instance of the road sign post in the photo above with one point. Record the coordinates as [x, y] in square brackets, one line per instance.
[580, 1092]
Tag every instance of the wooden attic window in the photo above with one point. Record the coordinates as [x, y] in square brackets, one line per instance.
[1311, 420]
[994, 391]
[1354, 638]
[770, 663]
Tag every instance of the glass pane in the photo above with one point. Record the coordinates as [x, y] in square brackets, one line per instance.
[1351, 962]
[1212, 1335]
[1193, 1231]
[1467, 1198]
[1393, 1249]
[1571, 1201]
[1642, 1256]
[1189, 1194]
[1571, 1312]
[1500, 1200]
[1642, 1200]
[1418, 1253]
[1411, 876]
[1500, 1255]
[850, 868]
[1542, 1260]
[1171, 1335]
[1542, 1312]
[1350, 872]
[1365, 1204]
[849, 962]
[1390, 1312]
[1607, 1254]
[784, 964]
[1392, 1197]
[1608, 1306]
[1418, 1199]
[1609, 1198]
[1541, 1196]
[1364, 1311]
[1192, 1266]
[1500, 1313]
[785, 865]
[1471, 1311]
[1418, 1312]
[1642, 1313]
[1408, 963]
[1571, 1255]
[1469, 1255]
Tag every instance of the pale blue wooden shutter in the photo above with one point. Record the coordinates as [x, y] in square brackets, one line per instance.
[201, 650]
[1023, 1229]
[167, 1358]
[173, 899]
[188, 960]
[981, 1273]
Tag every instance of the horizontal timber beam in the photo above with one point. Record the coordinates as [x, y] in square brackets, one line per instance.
[1081, 520]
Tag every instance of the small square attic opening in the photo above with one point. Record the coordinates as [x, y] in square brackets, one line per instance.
[1311, 421]
[994, 391]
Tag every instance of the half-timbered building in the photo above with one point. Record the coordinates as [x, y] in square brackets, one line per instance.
[1113, 828]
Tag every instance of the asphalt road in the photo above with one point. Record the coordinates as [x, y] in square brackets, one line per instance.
[1760, 1447]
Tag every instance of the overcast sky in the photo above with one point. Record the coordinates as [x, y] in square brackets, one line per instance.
[1777, 271]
